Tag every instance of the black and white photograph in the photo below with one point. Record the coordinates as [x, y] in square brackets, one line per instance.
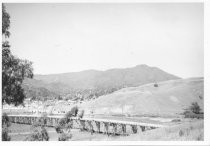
[103, 71]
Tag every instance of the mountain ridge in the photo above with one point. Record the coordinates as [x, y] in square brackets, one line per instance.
[97, 70]
[116, 78]
[110, 73]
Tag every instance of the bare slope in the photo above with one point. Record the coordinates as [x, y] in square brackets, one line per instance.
[169, 98]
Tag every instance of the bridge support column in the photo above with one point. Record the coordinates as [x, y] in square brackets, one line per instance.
[51, 122]
[134, 128]
[24, 120]
[18, 119]
[114, 128]
[123, 128]
[147, 128]
[90, 126]
[31, 120]
[142, 128]
[98, 126]
[106, 128]
[82, 125]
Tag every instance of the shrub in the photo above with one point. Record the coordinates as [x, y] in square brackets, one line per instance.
[176, 120]
[5, 124]
[5, 136]
[155, 85]
[201, 97]
[5, 120]
[58, 128]
[189, 114]
[44, 133]
[195, 108]
[39, 133]
[200, 137]
[64, 137]
[191, 127]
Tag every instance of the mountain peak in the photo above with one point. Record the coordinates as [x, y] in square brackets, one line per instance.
[142, 65]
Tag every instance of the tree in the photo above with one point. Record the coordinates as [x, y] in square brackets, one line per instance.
[63, 128]
[5, 22]
[14, 70]
[65, 124]
[72, 113]
[195, 108]
[64, 137]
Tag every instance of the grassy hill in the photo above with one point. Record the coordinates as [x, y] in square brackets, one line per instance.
[169, 98]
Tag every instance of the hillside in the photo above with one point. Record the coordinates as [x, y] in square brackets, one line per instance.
[111, 80]
[169, 98]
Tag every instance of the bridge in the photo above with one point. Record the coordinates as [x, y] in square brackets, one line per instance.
[106, 126]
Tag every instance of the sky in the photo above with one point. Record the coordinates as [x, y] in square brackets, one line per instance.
[73, 37]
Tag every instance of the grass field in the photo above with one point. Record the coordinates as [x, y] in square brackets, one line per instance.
[189, 130]
[19, 132]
